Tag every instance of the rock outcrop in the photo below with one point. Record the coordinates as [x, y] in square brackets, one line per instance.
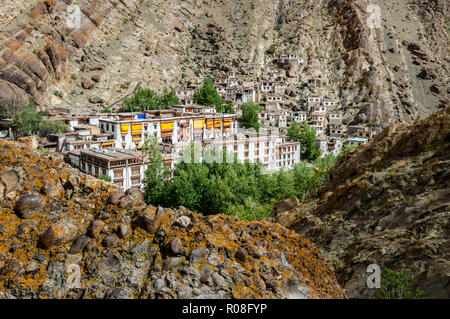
[64, 234]
[394, 65]
[387, 203]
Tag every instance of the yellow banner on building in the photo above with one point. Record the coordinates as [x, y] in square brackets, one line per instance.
[107, 144]
[199, 124]
[136, 128]
[167, 129]
[227, 122]
[210, 124]
[124, 128]
[167, 126]
[217, 123]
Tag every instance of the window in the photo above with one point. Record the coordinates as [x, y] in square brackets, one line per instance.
[118, 173]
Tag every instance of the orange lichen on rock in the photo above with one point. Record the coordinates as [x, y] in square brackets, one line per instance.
[141, 251]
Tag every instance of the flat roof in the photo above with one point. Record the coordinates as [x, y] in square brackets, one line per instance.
[358, 139]
[111, 154]
[194, 106]
[169, 119]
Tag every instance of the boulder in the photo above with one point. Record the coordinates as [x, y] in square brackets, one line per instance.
[173, 262]
[60, 233]
[198, 254]
[115, 198]
[96, 227]
[10, 179]
[51, 190]
[29, 206]
[183, 222]
[110, 241]
[79, 244]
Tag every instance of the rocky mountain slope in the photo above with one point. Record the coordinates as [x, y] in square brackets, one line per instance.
[387, 203]
[68, 235]
[399, 69]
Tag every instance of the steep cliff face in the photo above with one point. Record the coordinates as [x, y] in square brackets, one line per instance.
[387, 203]
[68, 235]
[399, 69]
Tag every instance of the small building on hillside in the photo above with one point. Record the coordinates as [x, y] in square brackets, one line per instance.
[126, 168]
[356, 141]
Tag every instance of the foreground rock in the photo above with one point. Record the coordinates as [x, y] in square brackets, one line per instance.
[139, 251]
[387, 203]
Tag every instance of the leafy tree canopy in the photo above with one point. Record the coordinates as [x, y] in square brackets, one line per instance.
[237, 189]
[225, 108]
[306, 135]
[208, 95]
[146, 100]
[30, 121]
[249, 118]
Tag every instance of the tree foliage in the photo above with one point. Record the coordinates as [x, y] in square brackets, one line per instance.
[146, 100]
[30, 121]
[249, 118]
[157, 173]
[306, 135]
[347, 148]
[3, 113]
[225, 108]
[398, 285]
[105, 178]
[237, 189]
[208, 95]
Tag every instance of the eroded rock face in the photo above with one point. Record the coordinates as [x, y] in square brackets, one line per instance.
[176, 254]
[173, 43]
[387, 203]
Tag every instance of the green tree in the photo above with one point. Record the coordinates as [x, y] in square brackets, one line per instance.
[347, 148]
[208, 95]
[3, 112]
[306, 135]
[169, 99]
[249, 118]
[156, 173]
[236, 189]
[30, 121]
[146, 100]
[105, 178]
[398, 285]
[226, 108]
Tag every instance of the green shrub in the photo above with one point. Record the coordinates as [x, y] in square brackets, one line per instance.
[307, 136]
[398, 285]
[105, 178]
[3, 113]
[208, 95]
[272, 49]
[249, 118]
[237, 189]
[31, 122]
[146, 99]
